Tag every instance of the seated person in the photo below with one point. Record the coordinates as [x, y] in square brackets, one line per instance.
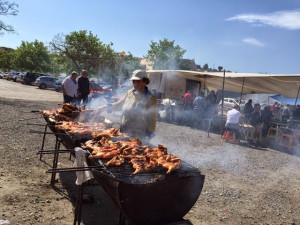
[277, 114]
[296, 113]
[248, 109]
[256, 120]
[267, 117]
[234, 119]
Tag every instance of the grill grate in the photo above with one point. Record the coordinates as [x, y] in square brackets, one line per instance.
[124, 171]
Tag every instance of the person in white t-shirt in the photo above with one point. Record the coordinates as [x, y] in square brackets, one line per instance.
[69, 87]
[234, 118]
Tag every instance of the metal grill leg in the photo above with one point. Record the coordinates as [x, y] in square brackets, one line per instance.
[43, 142]
[121, 219]
[55, 160]
[78, 206]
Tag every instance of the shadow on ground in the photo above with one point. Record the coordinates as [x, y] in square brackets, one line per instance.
[97, 207]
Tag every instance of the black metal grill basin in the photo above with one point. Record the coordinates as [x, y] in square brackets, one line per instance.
[152, 197]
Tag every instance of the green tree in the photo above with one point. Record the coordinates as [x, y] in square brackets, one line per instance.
[130, 64]
[6, 59]
[7, 9]
[32, 56]
[165, 55]
[60, 64]
[205, 67]
[220, 68]
[84, 50]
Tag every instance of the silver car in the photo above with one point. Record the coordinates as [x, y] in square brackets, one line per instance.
[44, 82]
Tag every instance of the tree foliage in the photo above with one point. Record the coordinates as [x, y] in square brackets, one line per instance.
[7, 9]
[6, 59]
[220, 68]
[165, 55]
[32, 56]
[84, 50]
[205, 67]
[60, 64]
[130, 64]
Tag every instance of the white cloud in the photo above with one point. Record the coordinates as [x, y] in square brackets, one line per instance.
[253, 41]
[284, 19]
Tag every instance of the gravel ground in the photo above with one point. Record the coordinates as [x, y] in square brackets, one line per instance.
[243, 185]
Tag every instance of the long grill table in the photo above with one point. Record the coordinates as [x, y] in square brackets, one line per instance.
[146, 198]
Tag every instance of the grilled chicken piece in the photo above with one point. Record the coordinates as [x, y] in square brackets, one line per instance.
[105, 141]
[143, 163]
[128, 151]
[90, 144]
[137, 164]
[79, 130]
[131, 143]
[69, 106]
[127, 146]
[106, 133]
[64, 125]
[169, 162]
[111, 154]
[156, 152]
[101, 153]
[61, 117]
[115, 161]
[111, 132]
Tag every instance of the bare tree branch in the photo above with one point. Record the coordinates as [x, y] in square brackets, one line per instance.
[7, 9]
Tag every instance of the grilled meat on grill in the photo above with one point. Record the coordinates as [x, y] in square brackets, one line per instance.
[156, 152]
[116, 161]
[143, 163]
[111, 132]
[107, 144]
[169, 162]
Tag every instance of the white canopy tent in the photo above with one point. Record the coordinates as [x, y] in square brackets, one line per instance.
[247, 83]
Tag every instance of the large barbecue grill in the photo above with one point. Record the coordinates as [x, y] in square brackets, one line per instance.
[146, 198]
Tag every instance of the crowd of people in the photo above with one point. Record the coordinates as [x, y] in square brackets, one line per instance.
[262, 119]
[197, 108]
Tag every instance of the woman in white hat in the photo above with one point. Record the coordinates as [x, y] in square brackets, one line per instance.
[139, 108]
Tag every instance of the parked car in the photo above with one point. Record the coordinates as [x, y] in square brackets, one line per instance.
[9, 76]
[97, 90]
[30, 77]
[1, 75]
[15, 76]
[57, 85]
[5, 75]
[228, 103]
[20, 78]
[241, 103]
[44, 82]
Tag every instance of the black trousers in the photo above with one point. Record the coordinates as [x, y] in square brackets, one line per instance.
[69, 99]
[84, 98]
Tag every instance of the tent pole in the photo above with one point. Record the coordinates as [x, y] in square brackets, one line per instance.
[221, 121]
[242, 90]
[223, 94]
[297, 96]
[204, 86]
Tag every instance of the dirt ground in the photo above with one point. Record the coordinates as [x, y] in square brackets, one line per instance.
[243, 185]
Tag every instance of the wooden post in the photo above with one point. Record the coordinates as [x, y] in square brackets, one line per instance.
[297, 96]
[204, 86]
[223, 94]
[242, 90]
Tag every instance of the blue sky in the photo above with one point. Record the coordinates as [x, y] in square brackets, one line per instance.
[240, 35]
